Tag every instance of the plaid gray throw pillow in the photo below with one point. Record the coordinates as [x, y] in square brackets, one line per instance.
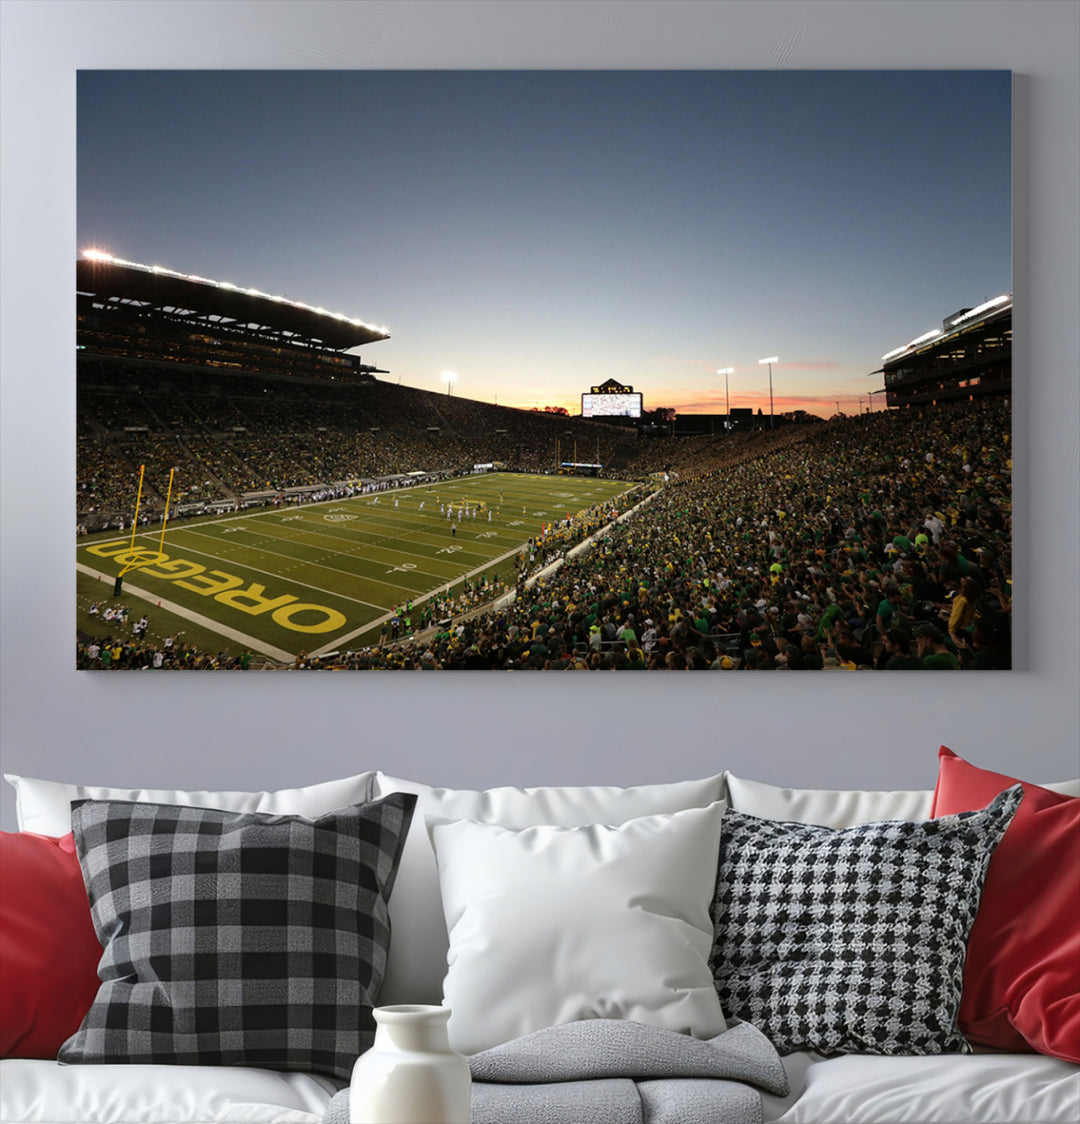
[237, 938]
[852, 941]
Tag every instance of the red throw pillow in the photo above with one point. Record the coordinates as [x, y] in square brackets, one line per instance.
[1022, 975]
[50, 954]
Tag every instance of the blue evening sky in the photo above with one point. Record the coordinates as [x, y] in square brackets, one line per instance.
[539, 232]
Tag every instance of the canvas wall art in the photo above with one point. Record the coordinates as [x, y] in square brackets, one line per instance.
[544, 370]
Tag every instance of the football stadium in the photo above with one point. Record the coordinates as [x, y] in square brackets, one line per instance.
[252, 495]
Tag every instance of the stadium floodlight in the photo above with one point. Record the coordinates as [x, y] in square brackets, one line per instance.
[924, 338]
[770, 360]
[1005, 298]
[449, 377]
[725, 371]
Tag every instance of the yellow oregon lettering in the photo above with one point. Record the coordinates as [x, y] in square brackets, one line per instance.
[177, 568]
[251, 600]
[221, 586]
[107, 550]
[333, 619]
[125, 555]
[205, 584]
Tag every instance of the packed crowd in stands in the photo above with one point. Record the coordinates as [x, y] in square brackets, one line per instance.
[103, 475]
[114, 411]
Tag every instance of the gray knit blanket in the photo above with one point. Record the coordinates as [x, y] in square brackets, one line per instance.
[608, 1071]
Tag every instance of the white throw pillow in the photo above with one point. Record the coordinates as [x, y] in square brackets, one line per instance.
[840, 808]
[418, 939]
[44, 807]
[549, 925]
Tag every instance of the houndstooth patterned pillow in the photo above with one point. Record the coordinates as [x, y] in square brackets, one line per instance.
[851, 941]
[236, 938]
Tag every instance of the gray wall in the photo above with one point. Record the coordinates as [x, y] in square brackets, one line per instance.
[271, 731]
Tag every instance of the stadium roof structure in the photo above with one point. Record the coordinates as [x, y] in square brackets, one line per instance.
[958, 322]
[113, 281]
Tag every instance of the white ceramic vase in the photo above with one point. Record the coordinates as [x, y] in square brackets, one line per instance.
[410, 1075]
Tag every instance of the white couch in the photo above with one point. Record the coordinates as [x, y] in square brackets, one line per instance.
[950, 1089]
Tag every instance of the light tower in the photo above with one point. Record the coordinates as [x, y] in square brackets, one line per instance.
[449, 378]
[770, 360]
[725, 371]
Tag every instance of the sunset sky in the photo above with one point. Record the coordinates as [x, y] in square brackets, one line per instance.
[538, 232]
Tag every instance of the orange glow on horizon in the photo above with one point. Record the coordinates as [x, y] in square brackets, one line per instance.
[689, 402]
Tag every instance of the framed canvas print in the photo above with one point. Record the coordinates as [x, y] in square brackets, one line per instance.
[544, 370]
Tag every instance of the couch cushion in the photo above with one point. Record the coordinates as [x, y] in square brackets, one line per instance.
[949, 1089]
[851, 940]
[236, 938]
[419, 941]
[42, 1092]
[1022, 975]
[45, 806]
[550, 925]
[48, 950]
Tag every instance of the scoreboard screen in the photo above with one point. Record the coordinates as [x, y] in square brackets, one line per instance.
[611, 405]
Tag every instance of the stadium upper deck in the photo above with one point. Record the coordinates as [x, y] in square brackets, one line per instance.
[132, 311]
[969, 355]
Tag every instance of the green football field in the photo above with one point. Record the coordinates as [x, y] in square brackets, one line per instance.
[324, 576]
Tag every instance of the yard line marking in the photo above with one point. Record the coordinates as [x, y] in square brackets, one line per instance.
[409, 537]
[199, 619]
[371, 625]
[402, 590]
[399, 527]
[377, 544]
[303, 562]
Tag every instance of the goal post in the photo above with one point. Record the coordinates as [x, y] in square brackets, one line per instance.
[134, 529]
[137, 558]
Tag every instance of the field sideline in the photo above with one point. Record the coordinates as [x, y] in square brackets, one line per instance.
[317, 577]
